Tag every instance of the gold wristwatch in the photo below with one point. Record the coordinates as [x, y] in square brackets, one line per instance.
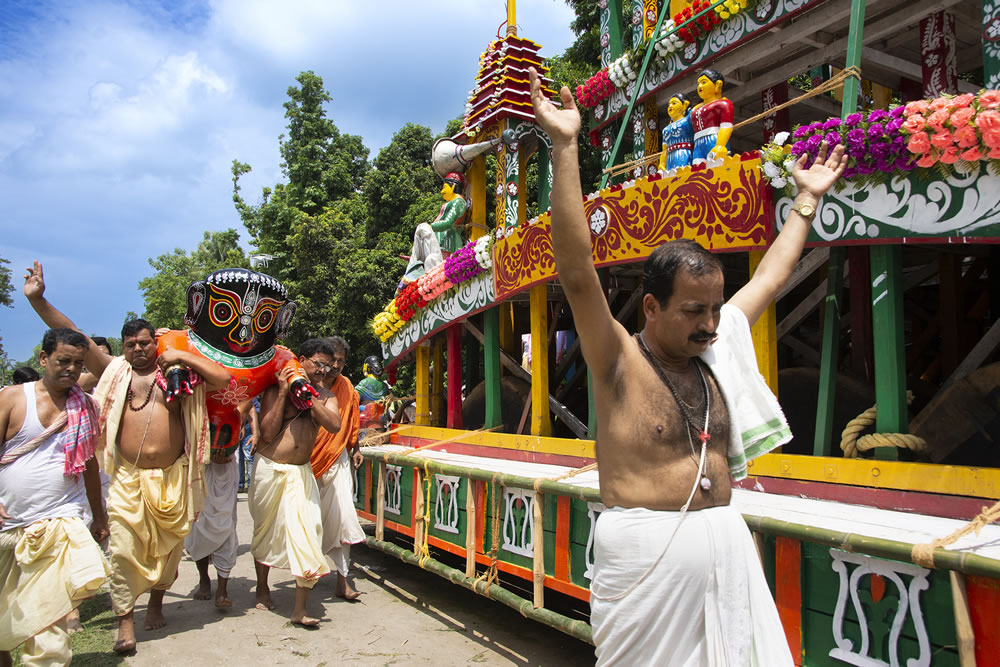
[807, 211]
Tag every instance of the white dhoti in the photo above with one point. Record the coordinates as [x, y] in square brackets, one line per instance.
[214, 532]
[287, 526]
[705, 602]
[341, 527]
[46, 570]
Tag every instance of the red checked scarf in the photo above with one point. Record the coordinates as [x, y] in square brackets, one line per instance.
[78, 439]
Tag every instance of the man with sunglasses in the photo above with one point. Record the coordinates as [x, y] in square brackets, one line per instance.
[284, 497]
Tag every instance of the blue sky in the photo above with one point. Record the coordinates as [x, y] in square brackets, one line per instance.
[120, 119]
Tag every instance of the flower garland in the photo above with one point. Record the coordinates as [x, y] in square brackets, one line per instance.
[471, 260]
[595, 90]
[940, 133]
[621, 73]
[692, 32]
[668, 40]
[730, 8]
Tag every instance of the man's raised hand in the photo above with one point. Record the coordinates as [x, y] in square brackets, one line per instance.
[562, 125]
[34, 283]
[823, 172]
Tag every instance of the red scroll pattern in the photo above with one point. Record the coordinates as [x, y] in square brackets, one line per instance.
[724, 209]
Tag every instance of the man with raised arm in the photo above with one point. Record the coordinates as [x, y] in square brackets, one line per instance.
[333, 459]
[284, 498]
[154, 450]
[49, 491]
[680, 409]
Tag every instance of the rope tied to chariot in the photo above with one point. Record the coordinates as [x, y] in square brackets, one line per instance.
[852, 445]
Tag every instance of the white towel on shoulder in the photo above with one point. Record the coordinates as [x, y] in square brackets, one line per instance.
[757, 424]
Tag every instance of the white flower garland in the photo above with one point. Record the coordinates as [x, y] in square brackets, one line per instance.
[621, 73]
[668, 41]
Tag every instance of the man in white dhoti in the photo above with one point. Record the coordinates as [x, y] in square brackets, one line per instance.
[333, 460]
[679, 410]
[284, 497]
[213, 535]
[50, 490]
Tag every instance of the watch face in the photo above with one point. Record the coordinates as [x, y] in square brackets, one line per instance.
[806, 210]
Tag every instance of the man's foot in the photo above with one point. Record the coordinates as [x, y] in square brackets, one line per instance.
[126, 635]
[73, 623]
[154, 619]
[222, 600]
[264, 600]
[306, 621]
[204, 591]
[344, 590]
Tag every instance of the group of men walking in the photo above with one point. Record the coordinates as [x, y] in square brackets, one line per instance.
[167, 491]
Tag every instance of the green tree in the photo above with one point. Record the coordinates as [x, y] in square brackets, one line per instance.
[165, 292]
[6, 290]
[402, 174]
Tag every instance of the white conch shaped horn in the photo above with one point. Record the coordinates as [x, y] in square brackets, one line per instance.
[447, 156]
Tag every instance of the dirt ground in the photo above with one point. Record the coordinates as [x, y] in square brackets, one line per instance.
[405, 616]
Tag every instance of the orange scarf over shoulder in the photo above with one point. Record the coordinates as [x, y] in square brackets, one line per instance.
[328, 445]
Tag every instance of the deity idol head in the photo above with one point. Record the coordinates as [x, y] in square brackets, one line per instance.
[710, 84]
[678, 106]
[238, 311]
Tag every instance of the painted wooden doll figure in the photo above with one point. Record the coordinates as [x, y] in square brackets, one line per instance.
[712, 118]
[678, 137]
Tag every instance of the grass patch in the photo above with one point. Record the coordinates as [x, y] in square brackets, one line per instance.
[92, 645]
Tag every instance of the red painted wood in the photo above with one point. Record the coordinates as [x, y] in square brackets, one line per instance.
[984, 606]
[788, 591]
[368, 485]
[454, 338]
[932, 504]
[562, 564]
[862, 344]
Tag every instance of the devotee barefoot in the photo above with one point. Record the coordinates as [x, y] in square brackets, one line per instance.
[264, 600]
[344, 590]
[126, 635]
[222, 600]
[73, 623]
[204, 591]
[306, 621]
[154, 619]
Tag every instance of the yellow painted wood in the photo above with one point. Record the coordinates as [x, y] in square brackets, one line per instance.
[541, 420]
[422, 392]
[765, 336]
[477, 193]
[901, 475]
[511, 17]
[437, 382]
[380, 503]
[521, 443]
[418, 507]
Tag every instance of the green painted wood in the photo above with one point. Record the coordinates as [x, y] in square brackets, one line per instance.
[544, 177]
[769, 562]
[823, 438]
[463, 520]
[491, 369]
[991, 47]
[890, 359]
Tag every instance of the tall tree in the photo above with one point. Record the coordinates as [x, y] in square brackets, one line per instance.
[6, 290]
[165, 292]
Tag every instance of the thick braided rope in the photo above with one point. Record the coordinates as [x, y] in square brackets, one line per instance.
[568, 475]
[490, 574]
[852, 445]
[923, 554]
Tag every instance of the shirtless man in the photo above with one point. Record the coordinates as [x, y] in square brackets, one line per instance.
[283, 485]
[149, 508]
[49, 488]
[660, 399]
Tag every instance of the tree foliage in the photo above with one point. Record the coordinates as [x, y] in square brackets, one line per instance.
[165, 292]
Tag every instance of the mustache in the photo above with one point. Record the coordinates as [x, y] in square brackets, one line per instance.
[704, 338]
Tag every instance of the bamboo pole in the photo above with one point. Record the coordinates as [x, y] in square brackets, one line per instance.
[538, 550]
[965, 636]
[418, 511]
[380, 503]
[470, 528]
[572, 627]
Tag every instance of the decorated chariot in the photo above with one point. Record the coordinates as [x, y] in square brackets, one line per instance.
[874, 523]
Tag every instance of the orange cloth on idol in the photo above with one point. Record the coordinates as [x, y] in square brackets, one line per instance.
[329, 445]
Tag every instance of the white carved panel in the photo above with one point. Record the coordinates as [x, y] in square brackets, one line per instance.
[519, 522]
[909, 605]
[393, 491]
[446, 503]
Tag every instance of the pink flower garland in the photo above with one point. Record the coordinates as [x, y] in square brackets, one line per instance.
[952, 128]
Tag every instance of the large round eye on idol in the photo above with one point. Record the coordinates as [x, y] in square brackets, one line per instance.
[265, 319]
[222, 313]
